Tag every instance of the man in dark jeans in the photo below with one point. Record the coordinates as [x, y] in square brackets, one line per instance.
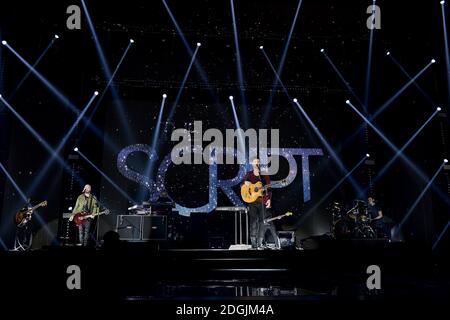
[257, 209]
[86, 204]
[376, 217]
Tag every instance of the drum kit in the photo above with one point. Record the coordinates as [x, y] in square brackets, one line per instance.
[352, 223]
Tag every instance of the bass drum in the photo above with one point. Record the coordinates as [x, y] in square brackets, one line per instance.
[341, 229]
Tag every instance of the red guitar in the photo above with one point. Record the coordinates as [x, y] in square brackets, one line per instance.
[81, 217]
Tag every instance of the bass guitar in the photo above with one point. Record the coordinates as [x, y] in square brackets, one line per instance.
[251, 192]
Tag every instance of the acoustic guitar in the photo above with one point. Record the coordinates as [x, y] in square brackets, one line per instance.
[24, 215]
[250, 193]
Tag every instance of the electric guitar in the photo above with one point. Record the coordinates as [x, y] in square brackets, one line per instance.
[250, 193]
[287, 214]
[81, 217]
[24, 215]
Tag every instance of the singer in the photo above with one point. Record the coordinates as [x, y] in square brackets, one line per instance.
[258, 209]
[86, 204]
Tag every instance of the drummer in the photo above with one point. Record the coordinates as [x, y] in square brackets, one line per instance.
[375, 215]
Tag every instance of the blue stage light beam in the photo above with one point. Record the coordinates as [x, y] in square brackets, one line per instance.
[369, 66]
[382, 136]
[316, 130]
[406, 145]
[158, 122]
[329, 148]
[197, 64]
[200, 70]
[39, 219]
[237, 123]
[119, 189]
[14, 183]
[149, 168]
[425, 95]
[441, 235]
[402, 89]
[44, 170]
[405, 159]
[339, 73]
[19, 85]
[447, 54]
[98, 47]
[107, 72]
[57, 93]
[99, 100]
[388, 102]
[281, 65]
[330, 192]
[35, 134]
[180, 90]
[418, 199]
[239, 66]
[3, 244]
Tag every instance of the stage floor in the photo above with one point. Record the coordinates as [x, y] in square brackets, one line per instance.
[142, 272]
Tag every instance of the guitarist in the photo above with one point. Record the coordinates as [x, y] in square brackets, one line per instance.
[257, 209]
[86, 204]
[24, 233]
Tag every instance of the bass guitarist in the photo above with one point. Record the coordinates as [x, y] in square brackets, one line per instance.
[258, 209]
[86, 204]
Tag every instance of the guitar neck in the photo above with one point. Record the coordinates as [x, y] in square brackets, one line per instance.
[36, 206]
[277, 217]
[273, 184]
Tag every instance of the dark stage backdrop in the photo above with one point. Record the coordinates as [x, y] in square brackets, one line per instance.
[188, 185]
[156, 64]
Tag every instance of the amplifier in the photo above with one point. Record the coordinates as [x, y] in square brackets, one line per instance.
[154, 228]
[141, 228]
[129, 227]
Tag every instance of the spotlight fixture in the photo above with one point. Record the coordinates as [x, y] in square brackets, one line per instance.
[4, 42]
[164, 95]
[70, 208]
[198, 44]
[445, 160]
[75, 149]
[347, 101]
[442, 2]
[96, 93]
[0, 95]
[261, 47]
[367, 155]
[438, 109]
[388, 53]
[131, 41]
[433, 61]
[56, 36]
[322, 50]
[295, 100]
[230, 97]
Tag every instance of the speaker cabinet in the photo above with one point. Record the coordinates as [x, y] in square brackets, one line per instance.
[141, 228]
[154, 228]
[129, 227]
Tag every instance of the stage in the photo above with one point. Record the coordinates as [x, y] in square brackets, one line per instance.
[338, 271]
[170, 152]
